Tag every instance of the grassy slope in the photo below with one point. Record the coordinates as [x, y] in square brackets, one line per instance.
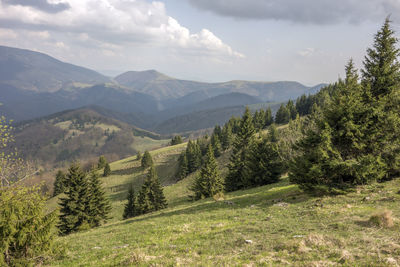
[303, 231]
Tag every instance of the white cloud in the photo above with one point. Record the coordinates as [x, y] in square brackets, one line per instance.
[7, 34]
[118, 22]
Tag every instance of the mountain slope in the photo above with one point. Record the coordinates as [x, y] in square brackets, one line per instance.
[81, 134]
[29, 70]
[273, 225]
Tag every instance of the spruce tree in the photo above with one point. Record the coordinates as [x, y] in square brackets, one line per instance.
[131, 208]
[217, 131]
[268, 117]
[151, 196]
[99, 204]
[147, 160]
[259, 119]
[264, 165]
[226, 136]
[193, 154]
[75, 206]
[291, 109]
[60, 183]
[333, 152]
[236, 176]
[282, 115]
[102, 162]
[183, 169]
[209, 182]
[107, 170]
[216, 144]
[159, 201]
[176, 140]
[381, 80]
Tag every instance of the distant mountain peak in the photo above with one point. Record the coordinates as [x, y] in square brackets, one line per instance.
[145, 76]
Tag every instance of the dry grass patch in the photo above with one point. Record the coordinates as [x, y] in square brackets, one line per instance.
[382, 219]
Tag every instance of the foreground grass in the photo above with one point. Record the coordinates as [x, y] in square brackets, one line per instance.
[270, 225]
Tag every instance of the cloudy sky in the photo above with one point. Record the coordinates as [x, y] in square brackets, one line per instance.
[208, 40]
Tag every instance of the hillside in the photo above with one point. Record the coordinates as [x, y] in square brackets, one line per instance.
[29, 70]
[81, 134]
[271, 225]
[33, 85]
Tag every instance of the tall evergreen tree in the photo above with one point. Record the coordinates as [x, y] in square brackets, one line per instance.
[75, 206]
[217, 131]
[99, 204]
[216, 144]
[291, 109]
[264, 165]
[282, 115]
[60, 183]
[209, 182]
[183, 169]
[236, 176]
[151, 196]
[131, 208]
[193, 154]
[332, 152]
[226, 136]
[147, 160]
[107, 170]
[176, 140]
[381, 80]
[102, 162]
[268, 117]
[259, 119]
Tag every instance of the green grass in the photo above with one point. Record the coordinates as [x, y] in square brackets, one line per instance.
[285, 226]
[142, 143]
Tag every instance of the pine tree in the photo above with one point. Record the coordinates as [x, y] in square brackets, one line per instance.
[236, 176]
[107, 170]
[259, 119]
[75, 205]
[151, 196]
[381, 80]
[333, 151]
[282, 115]
[159, 201]
[60, 183]
[183, 170]
[102, 162]
[264, 165]
[193, 154]
[217, 131]
[147, 160]
[176, 140]
[99, 204]
[291, 109]
[226, 136]
[216, 145]
[209, 182]
[268, 118]
[131, 208]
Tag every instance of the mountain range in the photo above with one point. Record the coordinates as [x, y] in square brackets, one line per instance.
[33, 85]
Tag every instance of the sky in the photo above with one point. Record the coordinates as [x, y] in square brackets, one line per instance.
[308, 41]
